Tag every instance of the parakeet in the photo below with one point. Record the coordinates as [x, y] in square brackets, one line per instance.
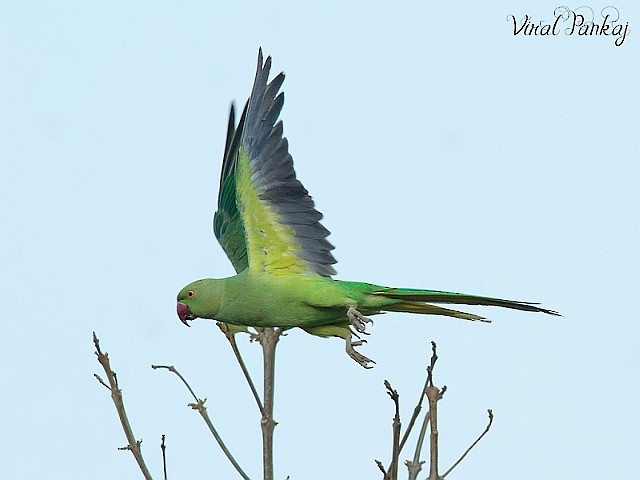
[269, 228]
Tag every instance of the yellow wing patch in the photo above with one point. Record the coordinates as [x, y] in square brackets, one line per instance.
[271, 246]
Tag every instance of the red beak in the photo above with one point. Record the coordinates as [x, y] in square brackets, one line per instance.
[183, 313]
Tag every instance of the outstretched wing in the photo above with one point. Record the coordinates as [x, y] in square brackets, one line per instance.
[266, 220]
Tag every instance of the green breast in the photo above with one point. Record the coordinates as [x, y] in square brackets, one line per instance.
[264, 300]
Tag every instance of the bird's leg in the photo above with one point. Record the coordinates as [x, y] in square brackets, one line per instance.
[358, 320]
[357, 356]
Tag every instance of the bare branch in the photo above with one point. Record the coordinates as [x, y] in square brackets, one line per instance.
[415, 466]
[268, 338]
[381, 468]
[163, 447]
[395, 452]
[133, 445]
[230, 335]
[432, 395]
[202, 410]
[101, 381]
[442, 392]
[473, 444]
[434, 359]
[418, 408]
[416, 412]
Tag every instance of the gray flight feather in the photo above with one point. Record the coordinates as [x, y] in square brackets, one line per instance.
[273, 175]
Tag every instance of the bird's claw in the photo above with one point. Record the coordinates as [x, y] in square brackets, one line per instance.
[358, 320]
[357, 356]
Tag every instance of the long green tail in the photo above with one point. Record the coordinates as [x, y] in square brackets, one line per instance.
[419, 301]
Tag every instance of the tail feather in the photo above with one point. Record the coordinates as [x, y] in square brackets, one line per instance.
[410, 306]
[410, 297]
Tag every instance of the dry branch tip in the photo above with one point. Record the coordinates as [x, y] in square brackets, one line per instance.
[163, 448]
[441, 394]
[101, 381]
[116, 397]
[381, 468]
[202, 410]
[391, 392]
[484, 432]
[434, 359]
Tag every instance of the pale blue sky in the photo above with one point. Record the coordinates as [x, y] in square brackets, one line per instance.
[444, 152]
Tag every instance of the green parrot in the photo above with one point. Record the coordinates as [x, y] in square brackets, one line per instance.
[269, 228]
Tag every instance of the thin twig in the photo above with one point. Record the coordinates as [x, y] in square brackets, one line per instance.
[416, 412]
[433, 395]
[418, 407]
[268, 338]
[133, 445]
[434, 359]
[381, 468]
[234, 346]
[163, 447]
[415, 465]
[101, 381]
[395, 451]
[473, 444]
[199, 406]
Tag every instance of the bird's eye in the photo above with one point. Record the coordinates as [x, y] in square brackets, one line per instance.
[191, 294]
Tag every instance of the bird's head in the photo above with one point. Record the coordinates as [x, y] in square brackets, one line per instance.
[200, 299]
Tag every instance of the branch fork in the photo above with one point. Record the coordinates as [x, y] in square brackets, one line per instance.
[433, 395]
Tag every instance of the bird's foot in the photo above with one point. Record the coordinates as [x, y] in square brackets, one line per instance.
[357, 356]
[358, 320]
